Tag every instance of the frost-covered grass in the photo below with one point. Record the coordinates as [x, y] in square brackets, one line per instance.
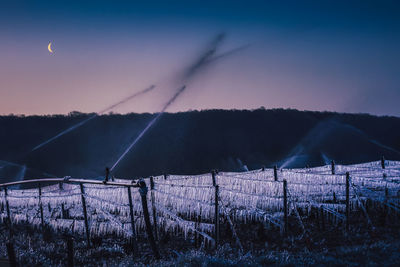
[332, 247]
[377, 254]
[252, 202]
[187, 203]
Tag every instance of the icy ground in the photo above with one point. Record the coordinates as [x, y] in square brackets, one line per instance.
[184, 206]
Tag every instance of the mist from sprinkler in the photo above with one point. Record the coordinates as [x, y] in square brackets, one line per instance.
[79, 124]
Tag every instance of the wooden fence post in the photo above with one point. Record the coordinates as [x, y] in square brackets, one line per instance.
[275, 173]
[322, 218]
[216, 215]
[8, 212]
[11, 254]
[216, 205]
[153, 206]
[285, 208]
[107, 177]
[63, 213]
[143, 193]
[333, 167]
[85, 214]
[385, 207]
[135, 247]
[70, 252]
[40, 204]
[214, 181]
[196, 235]
[383, 162]
[347, 200]
[315, 212]
[198, 222]
[7, 207]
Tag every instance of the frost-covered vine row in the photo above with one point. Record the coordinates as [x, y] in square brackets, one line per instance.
[185, 204]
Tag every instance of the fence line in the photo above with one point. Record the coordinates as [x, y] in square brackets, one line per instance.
[193, 203]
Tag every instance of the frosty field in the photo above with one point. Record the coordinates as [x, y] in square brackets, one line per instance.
[208, 210]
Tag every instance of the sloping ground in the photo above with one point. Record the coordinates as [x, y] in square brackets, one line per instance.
[251, 210]
[187, 203]
[194, 142]
[358, 248]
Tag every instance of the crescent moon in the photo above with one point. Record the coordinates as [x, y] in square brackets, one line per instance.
[49, 48]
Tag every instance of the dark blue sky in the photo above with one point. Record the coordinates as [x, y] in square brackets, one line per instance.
[314, 55]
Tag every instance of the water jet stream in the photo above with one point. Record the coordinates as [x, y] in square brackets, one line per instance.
[172, 100]
[92, 117]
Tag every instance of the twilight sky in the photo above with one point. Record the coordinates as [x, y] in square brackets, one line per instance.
[310, 55]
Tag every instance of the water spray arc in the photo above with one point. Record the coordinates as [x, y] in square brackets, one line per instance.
[94, 116]
[172, 100]
[25, 168]
[207, 57]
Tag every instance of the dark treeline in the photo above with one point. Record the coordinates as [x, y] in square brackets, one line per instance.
[193, 142]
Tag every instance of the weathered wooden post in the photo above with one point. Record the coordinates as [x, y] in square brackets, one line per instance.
[216, 205]
[134, 239]
[196, 234]
[85, 214]
[322, 218]
[11, 254]
[107, 177]
[275, 173]
[153, 206]
[61, 186]
[7, 207]
[367, 209]
[285, 208]
[198, 243]
[315, 213]
[40, 204]
[63, 213]
[263, 168]
[165, 176]
[333, 167]
[70, 252]
[143, 193]
[216, 215]
[214, 181]
[383, 162]
[347, 200]
[385, 207]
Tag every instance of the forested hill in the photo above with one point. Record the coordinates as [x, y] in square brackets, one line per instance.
[193, 142]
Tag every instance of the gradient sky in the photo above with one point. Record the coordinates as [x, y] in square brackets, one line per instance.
[310, 55]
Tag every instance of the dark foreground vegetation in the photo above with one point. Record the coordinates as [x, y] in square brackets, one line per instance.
[323, 243]
[193, 142]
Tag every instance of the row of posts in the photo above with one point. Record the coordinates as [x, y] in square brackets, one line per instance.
[286, 210]
[332, 168]
[285, 201]
[143, 192]
[333, 165]
[216, 209]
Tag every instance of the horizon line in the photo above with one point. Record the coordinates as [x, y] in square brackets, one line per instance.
[111, 113]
